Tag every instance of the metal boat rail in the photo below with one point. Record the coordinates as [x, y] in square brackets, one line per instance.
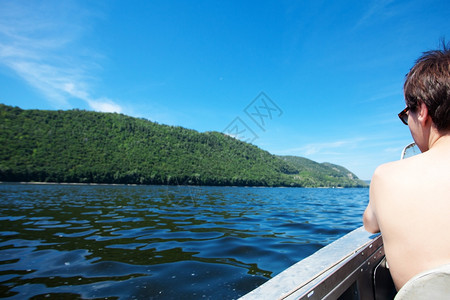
[352, 267]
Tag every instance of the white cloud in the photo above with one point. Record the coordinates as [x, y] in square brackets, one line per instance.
[38, 42]
[104, 105]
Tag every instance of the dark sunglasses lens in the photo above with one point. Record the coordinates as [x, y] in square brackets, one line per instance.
[405, 118]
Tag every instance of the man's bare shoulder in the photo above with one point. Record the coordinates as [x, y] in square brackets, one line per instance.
[429, 165]
[391, 180]
[396, 171]
[416, 177]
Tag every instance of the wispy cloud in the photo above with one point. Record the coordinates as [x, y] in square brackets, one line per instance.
[332, 147]
[385, 95]
[38, 42]
[377, 9]
[311, 149]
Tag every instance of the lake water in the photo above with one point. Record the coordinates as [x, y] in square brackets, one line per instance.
[161, 242]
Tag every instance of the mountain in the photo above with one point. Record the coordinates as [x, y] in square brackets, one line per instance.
[91, 147]
[312, 173]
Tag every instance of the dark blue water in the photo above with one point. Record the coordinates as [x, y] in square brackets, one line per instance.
[159, 242]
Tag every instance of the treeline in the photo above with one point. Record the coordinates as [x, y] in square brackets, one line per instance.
[90, 147]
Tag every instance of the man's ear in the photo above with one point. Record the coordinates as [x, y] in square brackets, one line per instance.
[422, 114]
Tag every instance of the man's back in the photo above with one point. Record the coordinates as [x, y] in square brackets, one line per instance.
[412, 204]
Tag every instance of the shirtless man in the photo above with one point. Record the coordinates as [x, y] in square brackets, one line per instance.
[410, 199]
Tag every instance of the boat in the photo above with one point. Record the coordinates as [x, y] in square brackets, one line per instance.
[352, 267]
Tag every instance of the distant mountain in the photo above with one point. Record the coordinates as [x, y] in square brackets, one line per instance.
[91, 147]
[311, 173]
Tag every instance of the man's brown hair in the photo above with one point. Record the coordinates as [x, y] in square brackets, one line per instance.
[429, 82]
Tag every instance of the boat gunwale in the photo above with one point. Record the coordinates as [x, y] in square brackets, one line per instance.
[358, 248]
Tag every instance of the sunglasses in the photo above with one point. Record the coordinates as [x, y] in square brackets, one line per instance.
[404, 116]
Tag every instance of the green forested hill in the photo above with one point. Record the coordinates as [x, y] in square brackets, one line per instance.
[90, 147]
[312, 173]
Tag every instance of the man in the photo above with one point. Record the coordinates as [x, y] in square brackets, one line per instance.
[410, 199]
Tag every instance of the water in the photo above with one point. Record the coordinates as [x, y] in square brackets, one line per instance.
[159, 242]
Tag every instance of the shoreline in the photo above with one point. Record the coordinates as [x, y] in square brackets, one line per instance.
[66, 183]
[134, 184]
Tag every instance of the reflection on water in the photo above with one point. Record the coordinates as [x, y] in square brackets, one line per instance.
[124, 242]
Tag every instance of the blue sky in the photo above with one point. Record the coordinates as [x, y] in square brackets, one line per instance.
[330, 72]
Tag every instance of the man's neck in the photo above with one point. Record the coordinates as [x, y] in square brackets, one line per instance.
[438, 141]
